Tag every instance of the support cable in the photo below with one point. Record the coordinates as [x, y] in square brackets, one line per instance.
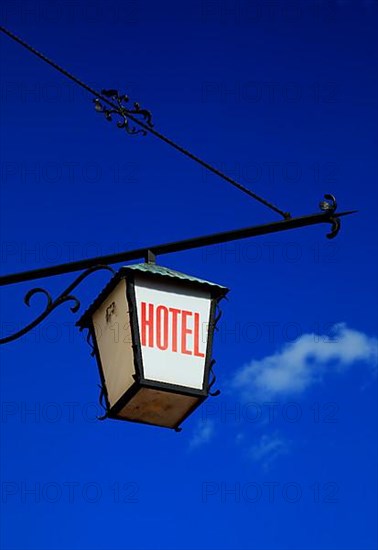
[146, 127]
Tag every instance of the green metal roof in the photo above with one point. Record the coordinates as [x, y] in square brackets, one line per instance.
[167, 272]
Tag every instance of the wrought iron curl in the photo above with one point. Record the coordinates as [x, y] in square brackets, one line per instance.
[52, 304]
[218, 315]
[89, 340]
[102, 404]
[329, 205]
[213, 380]
[123, 112]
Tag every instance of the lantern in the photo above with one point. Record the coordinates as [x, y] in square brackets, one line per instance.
[152, 330]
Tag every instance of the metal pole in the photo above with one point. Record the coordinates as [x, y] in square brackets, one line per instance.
[329, 217]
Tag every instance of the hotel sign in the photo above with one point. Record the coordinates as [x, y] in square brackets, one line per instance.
[152, 331]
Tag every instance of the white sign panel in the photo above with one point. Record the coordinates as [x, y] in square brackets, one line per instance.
[173, 326]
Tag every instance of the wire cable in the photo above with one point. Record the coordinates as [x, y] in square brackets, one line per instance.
[162, 137]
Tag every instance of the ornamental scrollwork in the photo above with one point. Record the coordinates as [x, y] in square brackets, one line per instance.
[51, 304]
[122, 110]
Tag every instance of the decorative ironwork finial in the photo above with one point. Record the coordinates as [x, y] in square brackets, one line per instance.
[329, 205]
[123, 111]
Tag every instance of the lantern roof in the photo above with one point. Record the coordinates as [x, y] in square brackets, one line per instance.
[167, 272]
[152, 271]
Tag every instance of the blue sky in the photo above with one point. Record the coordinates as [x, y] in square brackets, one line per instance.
[283, 97]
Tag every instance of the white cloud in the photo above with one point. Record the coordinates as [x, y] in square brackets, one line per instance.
[303, 362]
[202, 434]
[268, 449]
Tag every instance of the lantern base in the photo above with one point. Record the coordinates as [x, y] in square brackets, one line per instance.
[157, 407]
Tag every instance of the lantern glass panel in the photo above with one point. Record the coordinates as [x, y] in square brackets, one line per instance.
[173, 324]
[112, 328]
